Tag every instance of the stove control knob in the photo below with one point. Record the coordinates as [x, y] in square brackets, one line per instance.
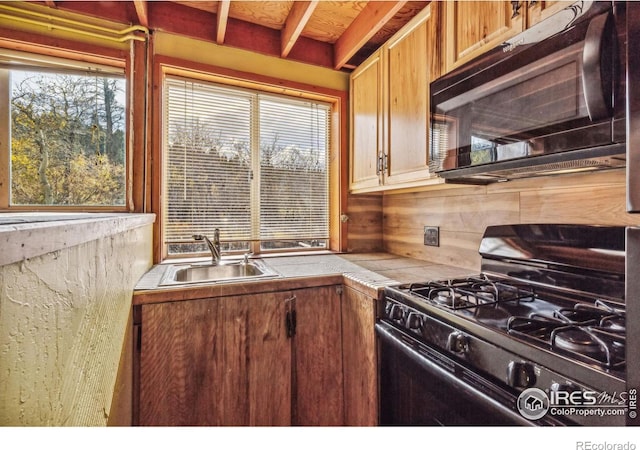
[458, 343]
[414, 321]
[387, 309]
[520, 375]
[396, 312]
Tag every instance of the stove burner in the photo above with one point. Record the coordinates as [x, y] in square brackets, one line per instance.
[607, 317]
[445, 297]
[577, 340]
[615, 324]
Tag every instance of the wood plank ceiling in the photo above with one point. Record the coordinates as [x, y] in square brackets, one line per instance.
[338, 34]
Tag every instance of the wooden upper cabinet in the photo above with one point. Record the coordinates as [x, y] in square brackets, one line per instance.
[473, 27]
[412, 62]
[366, 123]
[541, 9]
[390, 108]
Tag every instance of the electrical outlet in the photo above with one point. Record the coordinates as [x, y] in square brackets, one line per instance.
[432, 236]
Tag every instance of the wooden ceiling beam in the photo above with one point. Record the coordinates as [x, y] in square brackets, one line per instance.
[222, 18]
[142, 12]
[296, 21]
[369, 21]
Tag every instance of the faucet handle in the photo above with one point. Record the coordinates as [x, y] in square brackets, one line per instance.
[246, 257]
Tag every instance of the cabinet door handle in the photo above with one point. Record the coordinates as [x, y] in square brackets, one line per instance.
[293, 323]
[290, 319]
[515, 7]
[379, 165]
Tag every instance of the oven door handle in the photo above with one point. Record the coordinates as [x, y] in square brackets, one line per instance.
[389, 335]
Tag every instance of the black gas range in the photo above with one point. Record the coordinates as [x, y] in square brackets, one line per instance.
[536, 338]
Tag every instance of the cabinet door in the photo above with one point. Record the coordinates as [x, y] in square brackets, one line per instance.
[474, 27]
[412, 61]
[359, 359]
[541, 9]
[224, 361]
[318, 394]
[366, 123]
[180, 354]
[256, 378]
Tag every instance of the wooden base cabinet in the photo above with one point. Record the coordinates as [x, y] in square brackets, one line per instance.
[261, 359]
[219, 361]
[318, 387]
[359, 358]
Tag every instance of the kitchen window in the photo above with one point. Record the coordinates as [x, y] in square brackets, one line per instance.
[67, 124]
[253, 164]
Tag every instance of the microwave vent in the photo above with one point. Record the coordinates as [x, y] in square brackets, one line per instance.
[601, 158]
[567, 166]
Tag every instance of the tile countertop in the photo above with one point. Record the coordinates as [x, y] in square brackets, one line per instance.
[401, 269]
[368, 272]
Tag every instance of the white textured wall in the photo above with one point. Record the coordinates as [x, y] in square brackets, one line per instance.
[63, 318]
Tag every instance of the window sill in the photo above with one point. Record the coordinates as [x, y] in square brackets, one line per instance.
[204, 259]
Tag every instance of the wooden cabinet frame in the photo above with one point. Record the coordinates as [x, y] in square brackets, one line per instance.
[390, 108]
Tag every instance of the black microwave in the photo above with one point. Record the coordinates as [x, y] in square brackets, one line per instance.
[549, 100]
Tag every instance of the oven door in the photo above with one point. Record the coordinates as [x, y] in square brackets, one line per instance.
[420, 386]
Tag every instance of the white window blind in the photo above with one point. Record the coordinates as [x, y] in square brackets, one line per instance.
[252, 164]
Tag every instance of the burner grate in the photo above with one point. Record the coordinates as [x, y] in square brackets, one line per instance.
[463, 293]
[591, 333]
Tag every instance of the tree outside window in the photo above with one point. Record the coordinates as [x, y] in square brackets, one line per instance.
[67, 139]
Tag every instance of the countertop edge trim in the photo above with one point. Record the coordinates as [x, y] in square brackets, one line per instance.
[18, 242]
[145, 297]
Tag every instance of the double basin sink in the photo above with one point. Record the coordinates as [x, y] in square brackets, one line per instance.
[227, 271]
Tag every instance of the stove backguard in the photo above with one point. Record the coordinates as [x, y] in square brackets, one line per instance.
[581, 260]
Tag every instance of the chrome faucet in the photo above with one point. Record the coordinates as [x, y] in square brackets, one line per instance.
[214, 246]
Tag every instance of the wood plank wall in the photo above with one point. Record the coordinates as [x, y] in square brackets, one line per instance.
[364, 227]
[463, 213]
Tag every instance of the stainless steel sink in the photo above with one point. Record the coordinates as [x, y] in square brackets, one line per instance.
[230, 271]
